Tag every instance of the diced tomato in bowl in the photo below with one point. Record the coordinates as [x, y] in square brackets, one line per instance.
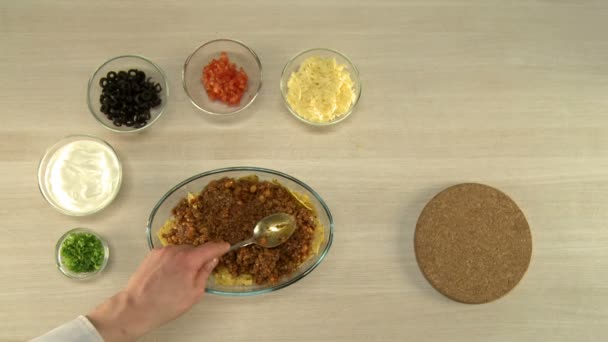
[223, 81]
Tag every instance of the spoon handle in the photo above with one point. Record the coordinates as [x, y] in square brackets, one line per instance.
[240, 244]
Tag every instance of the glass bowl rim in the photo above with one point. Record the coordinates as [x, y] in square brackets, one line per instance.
[163, 105]
[355, 71]
[89, 275]
[53, 148]
[238, 42]
[321, 255]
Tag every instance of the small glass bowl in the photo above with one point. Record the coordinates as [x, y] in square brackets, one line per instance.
[45, 184]
[80, 276]
[124, 63]
[294, 64]
[238, 53]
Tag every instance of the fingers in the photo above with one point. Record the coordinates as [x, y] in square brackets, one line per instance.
[201, 255]
[208, 267]
[204, 273]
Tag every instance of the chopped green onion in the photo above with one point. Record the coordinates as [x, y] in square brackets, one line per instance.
[82, 253]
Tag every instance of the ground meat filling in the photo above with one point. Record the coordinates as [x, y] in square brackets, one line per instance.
[228, 210]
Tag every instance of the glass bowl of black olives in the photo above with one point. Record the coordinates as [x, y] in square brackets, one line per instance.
[127, 93]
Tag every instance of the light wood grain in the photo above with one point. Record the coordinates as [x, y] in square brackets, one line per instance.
[508, 93]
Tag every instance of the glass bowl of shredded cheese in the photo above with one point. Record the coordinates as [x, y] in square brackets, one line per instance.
[320, 86]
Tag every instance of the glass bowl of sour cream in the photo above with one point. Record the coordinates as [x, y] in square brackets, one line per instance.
[79, 175]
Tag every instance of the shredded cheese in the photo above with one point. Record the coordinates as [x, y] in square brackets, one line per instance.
[321, 90]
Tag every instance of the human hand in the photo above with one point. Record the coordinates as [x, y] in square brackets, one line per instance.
[167, 283]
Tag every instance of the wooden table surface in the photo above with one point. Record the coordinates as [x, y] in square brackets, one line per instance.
[513, 94]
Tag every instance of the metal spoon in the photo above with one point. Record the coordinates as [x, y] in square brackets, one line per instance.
[270, 232]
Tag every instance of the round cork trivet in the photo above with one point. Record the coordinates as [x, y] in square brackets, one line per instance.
[472, 243]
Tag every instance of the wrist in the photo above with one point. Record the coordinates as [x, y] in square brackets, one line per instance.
[117, 319]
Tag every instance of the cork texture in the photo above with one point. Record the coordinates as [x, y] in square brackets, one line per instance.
[472, 243]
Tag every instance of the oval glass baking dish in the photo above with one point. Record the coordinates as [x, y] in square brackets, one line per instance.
[162, 212]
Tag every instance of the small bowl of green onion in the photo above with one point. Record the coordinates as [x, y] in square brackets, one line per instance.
[81, 254]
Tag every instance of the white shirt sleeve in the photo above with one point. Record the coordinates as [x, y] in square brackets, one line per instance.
[78, 330]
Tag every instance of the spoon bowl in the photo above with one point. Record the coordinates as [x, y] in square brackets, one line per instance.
[270, 232]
